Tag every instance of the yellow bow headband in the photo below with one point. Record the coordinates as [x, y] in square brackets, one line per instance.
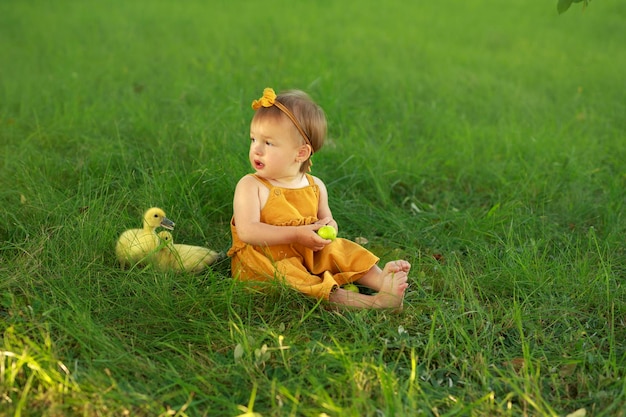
[269, 100]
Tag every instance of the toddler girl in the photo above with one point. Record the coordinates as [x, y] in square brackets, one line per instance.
[278, 209]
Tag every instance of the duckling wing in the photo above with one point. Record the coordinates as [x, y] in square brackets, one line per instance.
[195, 258]
[124, 246]
[134, 245]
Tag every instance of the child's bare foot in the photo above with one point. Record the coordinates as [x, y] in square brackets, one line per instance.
[394, 283]
[397, 266]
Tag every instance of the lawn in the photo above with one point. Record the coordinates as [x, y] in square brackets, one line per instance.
[483, 142]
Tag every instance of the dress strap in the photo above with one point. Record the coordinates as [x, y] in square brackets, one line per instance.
[309, 177]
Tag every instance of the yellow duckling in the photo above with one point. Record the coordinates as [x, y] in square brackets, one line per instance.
[179, 257]
[136, 245]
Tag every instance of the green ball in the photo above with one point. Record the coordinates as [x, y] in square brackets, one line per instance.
[351, 287]
[327, 232]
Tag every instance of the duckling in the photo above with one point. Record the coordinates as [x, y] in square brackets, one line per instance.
[135, 245]
[179, 257]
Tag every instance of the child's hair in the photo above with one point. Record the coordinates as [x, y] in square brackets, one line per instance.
[308, 114]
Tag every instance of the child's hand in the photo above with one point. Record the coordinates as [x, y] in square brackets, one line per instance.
[307, 236]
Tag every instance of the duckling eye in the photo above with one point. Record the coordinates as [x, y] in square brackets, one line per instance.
[156, 215]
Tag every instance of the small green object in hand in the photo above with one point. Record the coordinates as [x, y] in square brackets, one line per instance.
[327, 232]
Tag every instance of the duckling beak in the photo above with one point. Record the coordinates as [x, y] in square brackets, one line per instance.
[167, 223]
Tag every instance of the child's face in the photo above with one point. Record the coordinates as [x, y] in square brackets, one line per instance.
[274, 147]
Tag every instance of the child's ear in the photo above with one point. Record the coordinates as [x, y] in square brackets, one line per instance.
[304, 152]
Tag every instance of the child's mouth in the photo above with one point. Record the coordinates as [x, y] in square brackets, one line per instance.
[258, 164]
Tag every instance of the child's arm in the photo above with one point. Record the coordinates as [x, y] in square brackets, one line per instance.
[250, 229]
[323, 212]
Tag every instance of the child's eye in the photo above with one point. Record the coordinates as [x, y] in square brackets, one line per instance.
[268, 143]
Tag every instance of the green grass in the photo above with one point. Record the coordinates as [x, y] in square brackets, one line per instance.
[484, 143]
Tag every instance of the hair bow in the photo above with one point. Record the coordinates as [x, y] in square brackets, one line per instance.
[268, 99]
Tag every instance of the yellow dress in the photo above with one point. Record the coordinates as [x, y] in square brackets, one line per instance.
[313, 273]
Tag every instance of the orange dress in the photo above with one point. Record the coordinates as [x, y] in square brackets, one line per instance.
[313, 273]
